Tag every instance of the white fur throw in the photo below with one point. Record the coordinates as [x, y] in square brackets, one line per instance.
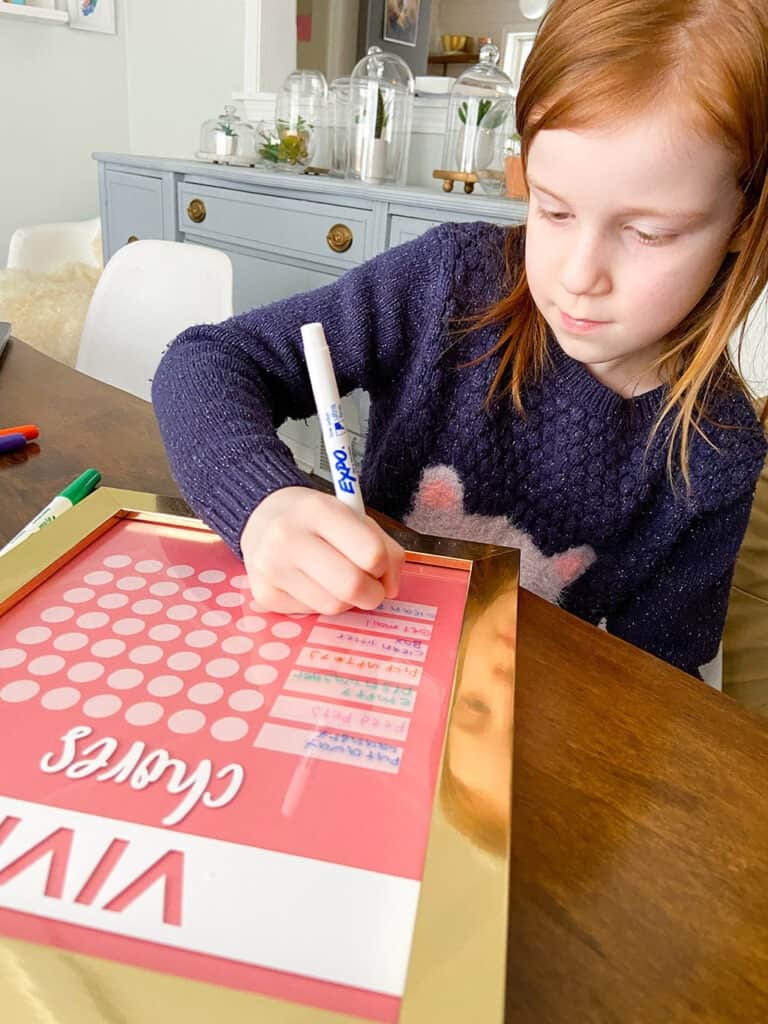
[47, 310]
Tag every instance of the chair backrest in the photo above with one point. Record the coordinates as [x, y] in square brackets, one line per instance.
[46, 247]
[149, 292]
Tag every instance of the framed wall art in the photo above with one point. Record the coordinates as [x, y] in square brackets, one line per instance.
[267, 817]
[92, 15]
[401, 21]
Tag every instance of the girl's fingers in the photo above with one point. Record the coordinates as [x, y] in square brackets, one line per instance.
[333, 572]
[359, 538]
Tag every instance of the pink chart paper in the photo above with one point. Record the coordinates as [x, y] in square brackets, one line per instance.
[195, 786]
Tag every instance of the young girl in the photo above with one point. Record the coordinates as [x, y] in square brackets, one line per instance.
[564, 387]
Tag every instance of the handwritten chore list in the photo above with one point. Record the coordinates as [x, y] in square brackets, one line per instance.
[196, 786]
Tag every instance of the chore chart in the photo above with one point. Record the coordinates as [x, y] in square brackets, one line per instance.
[195, 786]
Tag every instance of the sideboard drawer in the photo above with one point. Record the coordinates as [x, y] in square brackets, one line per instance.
[135, 207]
[337, 236]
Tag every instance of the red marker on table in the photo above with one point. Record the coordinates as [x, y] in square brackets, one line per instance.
[11, 442]
[29, 430]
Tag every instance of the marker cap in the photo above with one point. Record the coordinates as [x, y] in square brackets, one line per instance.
[82, 486]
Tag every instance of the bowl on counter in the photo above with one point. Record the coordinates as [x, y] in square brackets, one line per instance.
[453, 44]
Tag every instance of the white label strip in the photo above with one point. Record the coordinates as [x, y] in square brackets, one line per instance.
[369, 668]
[409, 609]
[380, 624]
[255, 906]
[401, 698]
[337, 717]
[362, 643]
[354, 751]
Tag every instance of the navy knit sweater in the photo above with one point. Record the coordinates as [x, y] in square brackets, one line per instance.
[600, 527]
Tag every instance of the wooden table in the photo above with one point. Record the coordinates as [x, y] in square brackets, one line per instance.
[640, 830]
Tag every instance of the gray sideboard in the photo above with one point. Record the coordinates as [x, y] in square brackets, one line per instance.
[285, 233]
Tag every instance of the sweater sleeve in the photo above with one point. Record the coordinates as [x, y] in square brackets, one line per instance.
[222, 390]
[679, 615]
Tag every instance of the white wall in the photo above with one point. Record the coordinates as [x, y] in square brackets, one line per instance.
[63, 96]
[185, 59]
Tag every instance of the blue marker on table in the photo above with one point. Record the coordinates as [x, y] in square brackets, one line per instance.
[338, 447]
[11, 442]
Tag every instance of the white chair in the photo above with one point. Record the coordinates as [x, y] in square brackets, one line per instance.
[47, 247]
[148, 293]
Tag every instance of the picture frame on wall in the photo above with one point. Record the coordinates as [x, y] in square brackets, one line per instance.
[284, 785]
[401, 21]
[92, 15]
[517, 47]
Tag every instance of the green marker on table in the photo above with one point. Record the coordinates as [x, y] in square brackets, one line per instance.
[71, 495]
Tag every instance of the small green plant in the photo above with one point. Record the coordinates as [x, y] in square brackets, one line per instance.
[289, 145]
[381, 115]
[482, 109]
[512, 145]
[226, 129]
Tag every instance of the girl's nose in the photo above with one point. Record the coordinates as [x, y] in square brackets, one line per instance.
[584, 270]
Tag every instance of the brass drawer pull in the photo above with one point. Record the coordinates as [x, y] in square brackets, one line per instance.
[196, 211]
[340, 238]
[132, 238]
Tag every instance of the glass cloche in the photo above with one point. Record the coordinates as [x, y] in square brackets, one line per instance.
[228, 139]
[497, 144]
[481, 97]
[380, 113]
[300, 121]
[338, 125]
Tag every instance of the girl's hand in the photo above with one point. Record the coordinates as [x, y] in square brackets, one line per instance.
[305, 551]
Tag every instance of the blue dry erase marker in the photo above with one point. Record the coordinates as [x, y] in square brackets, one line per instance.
[326, 393]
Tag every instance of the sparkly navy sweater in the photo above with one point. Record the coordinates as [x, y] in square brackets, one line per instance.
[601, 529]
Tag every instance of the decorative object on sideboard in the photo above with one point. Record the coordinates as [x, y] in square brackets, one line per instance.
[477, 111]
[228, 139]
[338, 125]
[517, 187]
[380, 118]
[301, 116]
[92, 15]
[454, 44]
[496, 141]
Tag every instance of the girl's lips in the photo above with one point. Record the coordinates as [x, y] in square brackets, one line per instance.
[580, 326]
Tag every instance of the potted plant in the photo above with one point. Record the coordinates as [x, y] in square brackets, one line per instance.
[225, 139]
[287, 145]
[517, 187]
[374, 167]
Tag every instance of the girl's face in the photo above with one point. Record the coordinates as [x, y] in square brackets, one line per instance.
[627, 228]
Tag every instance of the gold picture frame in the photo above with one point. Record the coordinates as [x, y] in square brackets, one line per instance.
[457, 966]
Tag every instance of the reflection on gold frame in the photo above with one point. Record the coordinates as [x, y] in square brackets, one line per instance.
[457, 966]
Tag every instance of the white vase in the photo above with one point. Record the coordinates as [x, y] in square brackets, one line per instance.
[225, 145]
[374, 164]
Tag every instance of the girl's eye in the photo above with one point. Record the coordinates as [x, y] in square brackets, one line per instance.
[554, 215]
[646, 239]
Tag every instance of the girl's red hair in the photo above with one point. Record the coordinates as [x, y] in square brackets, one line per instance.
[601, 62]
